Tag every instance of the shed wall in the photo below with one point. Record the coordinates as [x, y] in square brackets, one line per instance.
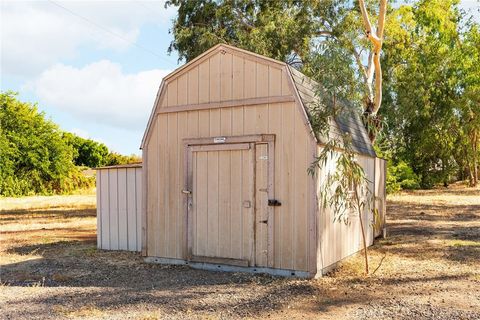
[224, 77]
[380, 195]
[119, 207]
[294, 242]
[337, 239]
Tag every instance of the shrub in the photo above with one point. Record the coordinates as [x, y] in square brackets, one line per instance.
[34, 158]
[401, 177]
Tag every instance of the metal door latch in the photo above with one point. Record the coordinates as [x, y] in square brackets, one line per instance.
[186, 192]
[274, 203]
[263, 221]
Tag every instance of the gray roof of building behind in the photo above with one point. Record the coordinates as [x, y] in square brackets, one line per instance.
[348, 123]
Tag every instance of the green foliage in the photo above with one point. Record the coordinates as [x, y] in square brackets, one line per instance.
[114, 158]
[34, 157]
[87, 152]
[400, 176]
[271, 28]
[431, 66]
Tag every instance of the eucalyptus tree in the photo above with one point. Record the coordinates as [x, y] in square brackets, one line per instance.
[432, 87]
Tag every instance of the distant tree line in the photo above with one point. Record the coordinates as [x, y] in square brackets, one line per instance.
[36, 157]
[429, 121]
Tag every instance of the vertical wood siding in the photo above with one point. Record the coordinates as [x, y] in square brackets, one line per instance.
[224, 77]
[338, 240]
[119, 207]
[380, 195]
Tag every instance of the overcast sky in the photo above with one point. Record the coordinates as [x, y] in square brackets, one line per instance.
[94, 67]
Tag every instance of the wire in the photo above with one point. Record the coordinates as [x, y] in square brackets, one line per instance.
[111, 32]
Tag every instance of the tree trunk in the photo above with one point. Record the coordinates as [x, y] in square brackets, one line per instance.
[365, 253]
[372, 122]
[475, 161]
[364, 240]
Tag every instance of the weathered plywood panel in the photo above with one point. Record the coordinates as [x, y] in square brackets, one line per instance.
[182, 90]
[119, 208]
[103, 189]
[192, 86]
[238, 74]
[226, 77]
[301, 183]
[380, 195]
[139, 207]
[122, 209]
[286, 186]
[113, 204]
[236, 221]
[131, 199]
[173, 163]
[162, 180]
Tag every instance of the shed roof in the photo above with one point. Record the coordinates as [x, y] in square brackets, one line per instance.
[349, 123]
[121, 166]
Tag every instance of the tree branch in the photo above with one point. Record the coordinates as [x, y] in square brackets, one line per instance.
[324, 33]
[381, 18]
[378, 83]
[365, 18]
[377, 40]
[370, 68]
[244, 20]
[358, 59]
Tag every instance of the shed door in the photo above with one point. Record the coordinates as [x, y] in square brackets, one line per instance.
[221, 203]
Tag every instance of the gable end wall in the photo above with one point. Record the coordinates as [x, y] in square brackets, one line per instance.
[226, 77]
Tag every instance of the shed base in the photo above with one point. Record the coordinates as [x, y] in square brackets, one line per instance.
[228, 268]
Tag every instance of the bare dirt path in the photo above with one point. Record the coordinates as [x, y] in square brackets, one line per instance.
[427, 268]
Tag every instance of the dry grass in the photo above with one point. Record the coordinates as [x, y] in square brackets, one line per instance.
[78, 201]
[427, 268]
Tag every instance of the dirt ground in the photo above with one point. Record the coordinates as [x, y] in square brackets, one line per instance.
[427, 268]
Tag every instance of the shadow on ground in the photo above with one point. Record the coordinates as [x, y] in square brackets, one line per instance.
[79, 275]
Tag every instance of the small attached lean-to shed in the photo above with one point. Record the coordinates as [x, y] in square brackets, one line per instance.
[119, 207]
[225, 182]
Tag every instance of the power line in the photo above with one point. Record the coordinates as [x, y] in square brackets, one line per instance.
[111, 32]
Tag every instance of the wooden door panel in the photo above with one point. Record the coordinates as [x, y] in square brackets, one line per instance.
[212, 204]
[221, 187]
[200, 192]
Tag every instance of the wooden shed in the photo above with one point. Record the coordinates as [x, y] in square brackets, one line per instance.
[225, 182]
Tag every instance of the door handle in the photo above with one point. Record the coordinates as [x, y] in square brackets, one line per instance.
[274, 203]
[263, 221]
[186, 192]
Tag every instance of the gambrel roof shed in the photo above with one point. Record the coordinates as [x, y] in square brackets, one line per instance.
[225, 158]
